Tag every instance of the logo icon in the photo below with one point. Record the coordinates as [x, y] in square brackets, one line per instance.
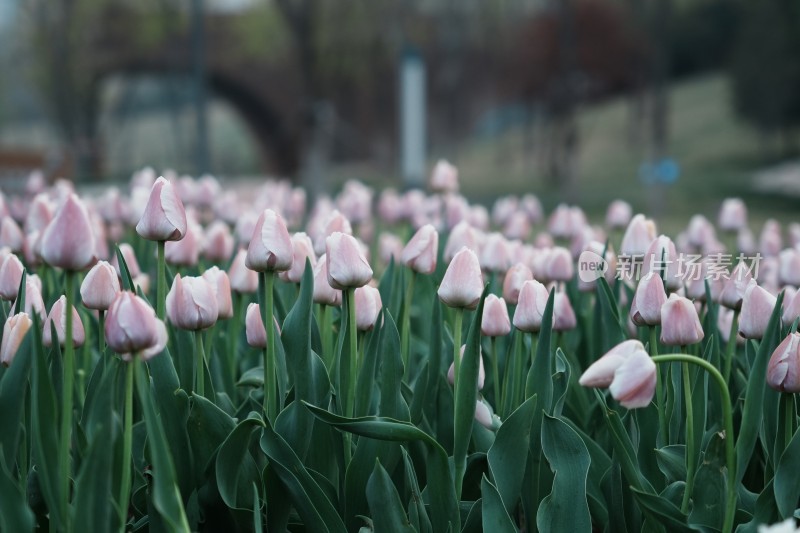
[591, 266]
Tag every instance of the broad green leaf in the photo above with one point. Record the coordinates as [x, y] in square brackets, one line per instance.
[787, 478]
[385, 506]
[13, 390]
[417, 510]
[664, 512]
[613, 332]
[494, 516]
[125, 273]
[708, 498]
[566, 508]
[672, 462]
[208, 427]
[505, 462]
[236, 470]
[93, 500]
[540, 380]
[15, 515]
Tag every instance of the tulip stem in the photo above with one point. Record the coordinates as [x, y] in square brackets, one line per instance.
[730, 348]
[662, 416]
[127, 440]
[66, 404]
[199, 367]
[406, 324]
[325, 334]
[691, 460]
[161, 310]
[101, 334]
[352, 337]
[269, 352]
[457, 322]
[730, 456]
[233, 338]
[495, 372]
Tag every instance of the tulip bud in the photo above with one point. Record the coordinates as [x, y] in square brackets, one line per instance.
[221, 285]
[185, 252]
[270, 248]
[130, 260]
[243, 280]
[558, 265]
[33, 298]
[164, 217]
[791, 306]
[100, 286]
[732, 215]
[10, 277]
[390, 207]
[462, 284]
[218, 242]
[495, 321]
[481, 372]
[618, 214]
[14, 331]
[561, 222]
[389, 247]
[648, 300]
[638, 236]
[757, 307]
[733, 290]
[495, 255]
[132, 327]
[254, 327]
[770, 240]
[444, 177]
[191, 303]
[680, 325]
[368, 306]
[563, 315]
[302, 249]
[516, 276]
[336, 222]
[68, 241]
[485, 417]
[661, 256]
[530, 307]
[347, 266]
[462, 236]
[783, 370]
[420, 253]
[58, 317]
[324, 294]
[40, 213]
[789, 270]
[724, 322]
[10, 234]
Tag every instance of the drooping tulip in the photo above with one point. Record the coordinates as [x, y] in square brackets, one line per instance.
[302, 249]
[164, 216]
[368, 306]
[420, 253]
[14, 331]
[530, 307]
[191, 303]
[347, 266]
[650, 296]
[628, 371]
[783, 370]
[219, 281]
[757, 307]
[58, 318]
[270, 249]
[462, 284]
[100, 286]
[324, 294]
[495, 321]
[68, 241]
[132, 327]
[680, 324]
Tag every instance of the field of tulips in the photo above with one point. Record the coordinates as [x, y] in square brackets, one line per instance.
[180, 357]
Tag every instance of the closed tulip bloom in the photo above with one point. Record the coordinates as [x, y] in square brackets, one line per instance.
[10, 234]
[254, 327]
[302, 249]
[789, 269]
[324, 294]
[221, 284]
[517, 226]
[485, 417]
[132, 327]
[444, 177]
[680, 325]
[791, 306]
[783, 370]
[481, 372]
[14, 331]
[462, 284]
[243, 280]
[130, 260]
[735, 286]
[618, 214]
[33, 299]
[10, 277]
[732, 215]
[563, 315]
[389, 247]
[724, 321]
[164, 217]
[495, 321]
[219, 242]
[462, 236]
[68, 241]
[143, 282]
[58, 317]
[638, 236]
[185, 252]
[650, 296]
[347, 266]
[100, 286]
[757, 307]
[390, 206]
[516, 276]
[191, 303]
[770, 241]
[495, 253]
[660, 256]
[335, 222]
[40, 213]
[270, 249]
[561, 222]
[558, 265]
[420, 253]
[368, 306]
[601, 373]
[530, 308]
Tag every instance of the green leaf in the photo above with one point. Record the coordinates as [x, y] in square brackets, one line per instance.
[384, 503]
[21, 293]
[93, 496]
[311, 502]
[540, 375]
[125, 273]
[672, 462]
[613, 332]
[708, 499]
[566, 508]
[493, 512]
[13, 390]
[667, 514]
[208, 427]
[15, 515]
[787, 480]
[506, 463]
[417, 507]
[236, 470]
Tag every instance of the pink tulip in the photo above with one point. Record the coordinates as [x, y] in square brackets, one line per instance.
[564, 318]
[462, 236]
[302, 249]
[142, 281]
[389, 247]
[561, 223]
[335, 222]
[243, 280]
[724, 321]
[783, 370]
[757, 307]
[791, 306]
[58, 317]
[610, 258]
[530, 307]
[347, 266]
[100, 286]
[10, 277]
[324, 294]
[601, 373]
[390, 206]
[700, 232]
[164, 217]
[634, 381]
[68, 241]
[33, 298]
[732, 215]
[368, 306]
[517, 226]
[444, 177]
[648, 301]
[185, 252]
[516, 276]
[618, 214]
[770, 241]
[495, 253]
[191, 303]
[31, 248]
[558, 265]
[420, 253]
[680, 324]
[789, 270]
[481, 372]
[221, 285]
[218, 242]
[660, 256]
[456, 209]
[10, 234]
[132, 327]
[735, 286]
[638, 236]
[130, 260]
[746, 242]
[270, 248]
[485, 417]
[495, 321]
[254, 327]
[479, 217]
[14, 331]
[462, 284]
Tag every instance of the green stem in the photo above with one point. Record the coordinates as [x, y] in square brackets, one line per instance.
[352, 341]
[325, 332]
[691, 459]
[406, 323]
[788, 419]
[101, 334]
[495, 372]
[730, 348]
[66, 405]
[199, 366]
[161, 309]
[127, 441]
[727, 416]
[662, 415]
[270, 401]
[458, 320]
[233, 340]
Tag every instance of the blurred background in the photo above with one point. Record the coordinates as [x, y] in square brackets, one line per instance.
[670, 104]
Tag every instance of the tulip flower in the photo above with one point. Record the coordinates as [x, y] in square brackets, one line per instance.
[100, 286]
[783, 370]
[495, 321]
[648, 300]
[661, 259]
[627, 371]
[789, 272]
[495, 255]
[68, 241]
[530, 307]
[368, 306]
[732, 215]
[463, 235]
[485, 417]
[130, 260]
[389, 247]
[219, 242]
[517, 226]
[221, 285]
[164, 216]
[243, 280]
[40, 213]
[58, 317]
[191, 303]
[10, 277]
[323, 292]
[335, 222]
[270, 249]
[680, 325]
[735, 286]
[11, 235]
[254, 327]
[302, 249]
[33, 299]
[185, 252]
[132, 328]
[420, 253]
[563, 315]
[462, 284]
[618, 214]
[791, 306]
[516, 276]
[481, 372]
[757, 307]
[347, 266]
[444, 177]
[558, 265]
[638, 236]
[14, 331]
[561, 223]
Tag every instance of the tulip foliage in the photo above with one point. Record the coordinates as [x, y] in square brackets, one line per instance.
[269, 380]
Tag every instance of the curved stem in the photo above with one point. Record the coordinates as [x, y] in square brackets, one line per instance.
[662, 418]
[66, 405]
[199, 366]
[406, 323]
[730, 348]
[161, 309]
[127, 441]
[727, 416]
